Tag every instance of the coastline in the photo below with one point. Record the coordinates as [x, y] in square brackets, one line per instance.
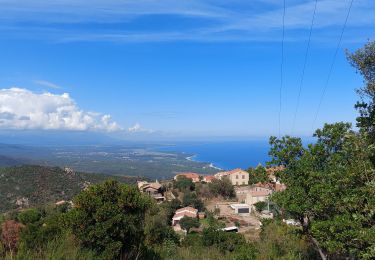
[210, 165]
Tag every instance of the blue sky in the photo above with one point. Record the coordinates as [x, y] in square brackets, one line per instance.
[176, 68]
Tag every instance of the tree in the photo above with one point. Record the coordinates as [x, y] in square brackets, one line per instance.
[191, 199]
[329, 187]
[157, 228]
[29, 216]
[183, 184]
[259, 174]
[223, 188]
[260, 205]
[187, 223]
[109, 218]
[363, 60]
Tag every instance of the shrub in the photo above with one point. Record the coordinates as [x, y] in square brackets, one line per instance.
[109, 218]
[260, 205]
[29, 216]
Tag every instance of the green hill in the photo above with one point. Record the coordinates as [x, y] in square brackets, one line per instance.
[29, 185]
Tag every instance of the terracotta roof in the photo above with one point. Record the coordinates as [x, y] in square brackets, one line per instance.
[189, 175]
[183, 214]
[186, 209]
[209, 177]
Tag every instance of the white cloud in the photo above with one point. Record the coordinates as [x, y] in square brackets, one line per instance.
[24, 109]
[137, 128]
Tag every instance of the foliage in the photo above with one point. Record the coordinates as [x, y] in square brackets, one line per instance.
[157, 227]
[260, 205]
[222, 188]
[29, 216]
[363, 60]
[29, 185]
[187, 223]
[279, 241]
[109, 219]
[259, 174]
[191, 199]
[224, 241]
[329, 187]
[183, 184]
[37, 234]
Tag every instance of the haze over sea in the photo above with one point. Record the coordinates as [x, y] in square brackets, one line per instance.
[226, 154]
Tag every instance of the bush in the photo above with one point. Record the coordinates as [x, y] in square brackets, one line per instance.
[29, 216]
[187, 223]
[183, 184]
[223, 188]
[191, 199]
[109, 219]
[260, 205]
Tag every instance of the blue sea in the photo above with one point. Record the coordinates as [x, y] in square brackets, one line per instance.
[226, 154]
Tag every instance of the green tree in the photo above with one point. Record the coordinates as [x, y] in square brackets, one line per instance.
[29, 216]
[222, 188]
[188, 223]
[260, 205]
[183, 184]
[191, 199]
[109, 218]
[259, 174]
[329, 187]
[363, 60]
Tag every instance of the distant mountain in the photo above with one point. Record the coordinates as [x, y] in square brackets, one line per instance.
[25, 186]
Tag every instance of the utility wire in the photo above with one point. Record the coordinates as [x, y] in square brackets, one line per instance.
[304, 67]
[281, 70]
[332, 65]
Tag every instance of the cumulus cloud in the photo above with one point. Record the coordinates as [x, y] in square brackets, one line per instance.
[24, 109]
[137, 128]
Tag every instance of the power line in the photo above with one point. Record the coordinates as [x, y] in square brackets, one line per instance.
[332, 65]
[281, 70]
[304, 67]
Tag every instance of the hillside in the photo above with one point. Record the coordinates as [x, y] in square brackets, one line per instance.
[24, 186]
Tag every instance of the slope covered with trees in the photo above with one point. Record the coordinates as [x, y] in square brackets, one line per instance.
[24, 186]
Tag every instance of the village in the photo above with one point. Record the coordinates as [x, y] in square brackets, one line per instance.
[230, 197]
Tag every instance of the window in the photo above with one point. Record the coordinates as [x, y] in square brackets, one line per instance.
[243, 176]
[236, 176]
[236, 182]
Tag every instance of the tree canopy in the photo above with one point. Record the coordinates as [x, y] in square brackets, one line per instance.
[109, 218]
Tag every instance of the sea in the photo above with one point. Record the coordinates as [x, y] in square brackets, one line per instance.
[226, 155]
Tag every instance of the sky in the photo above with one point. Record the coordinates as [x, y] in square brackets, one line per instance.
[195, 68]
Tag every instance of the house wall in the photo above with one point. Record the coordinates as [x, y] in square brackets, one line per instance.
[239, 178]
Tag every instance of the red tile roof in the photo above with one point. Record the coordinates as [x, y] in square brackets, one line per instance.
[189, 175]
[209, 178]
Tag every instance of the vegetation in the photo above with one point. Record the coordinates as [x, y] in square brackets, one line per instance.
[222, 188]
[27, 186]
[191, 199]
[188, 223]
[260, 205]
[259, 174]
[330, 184]
[184, 184]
